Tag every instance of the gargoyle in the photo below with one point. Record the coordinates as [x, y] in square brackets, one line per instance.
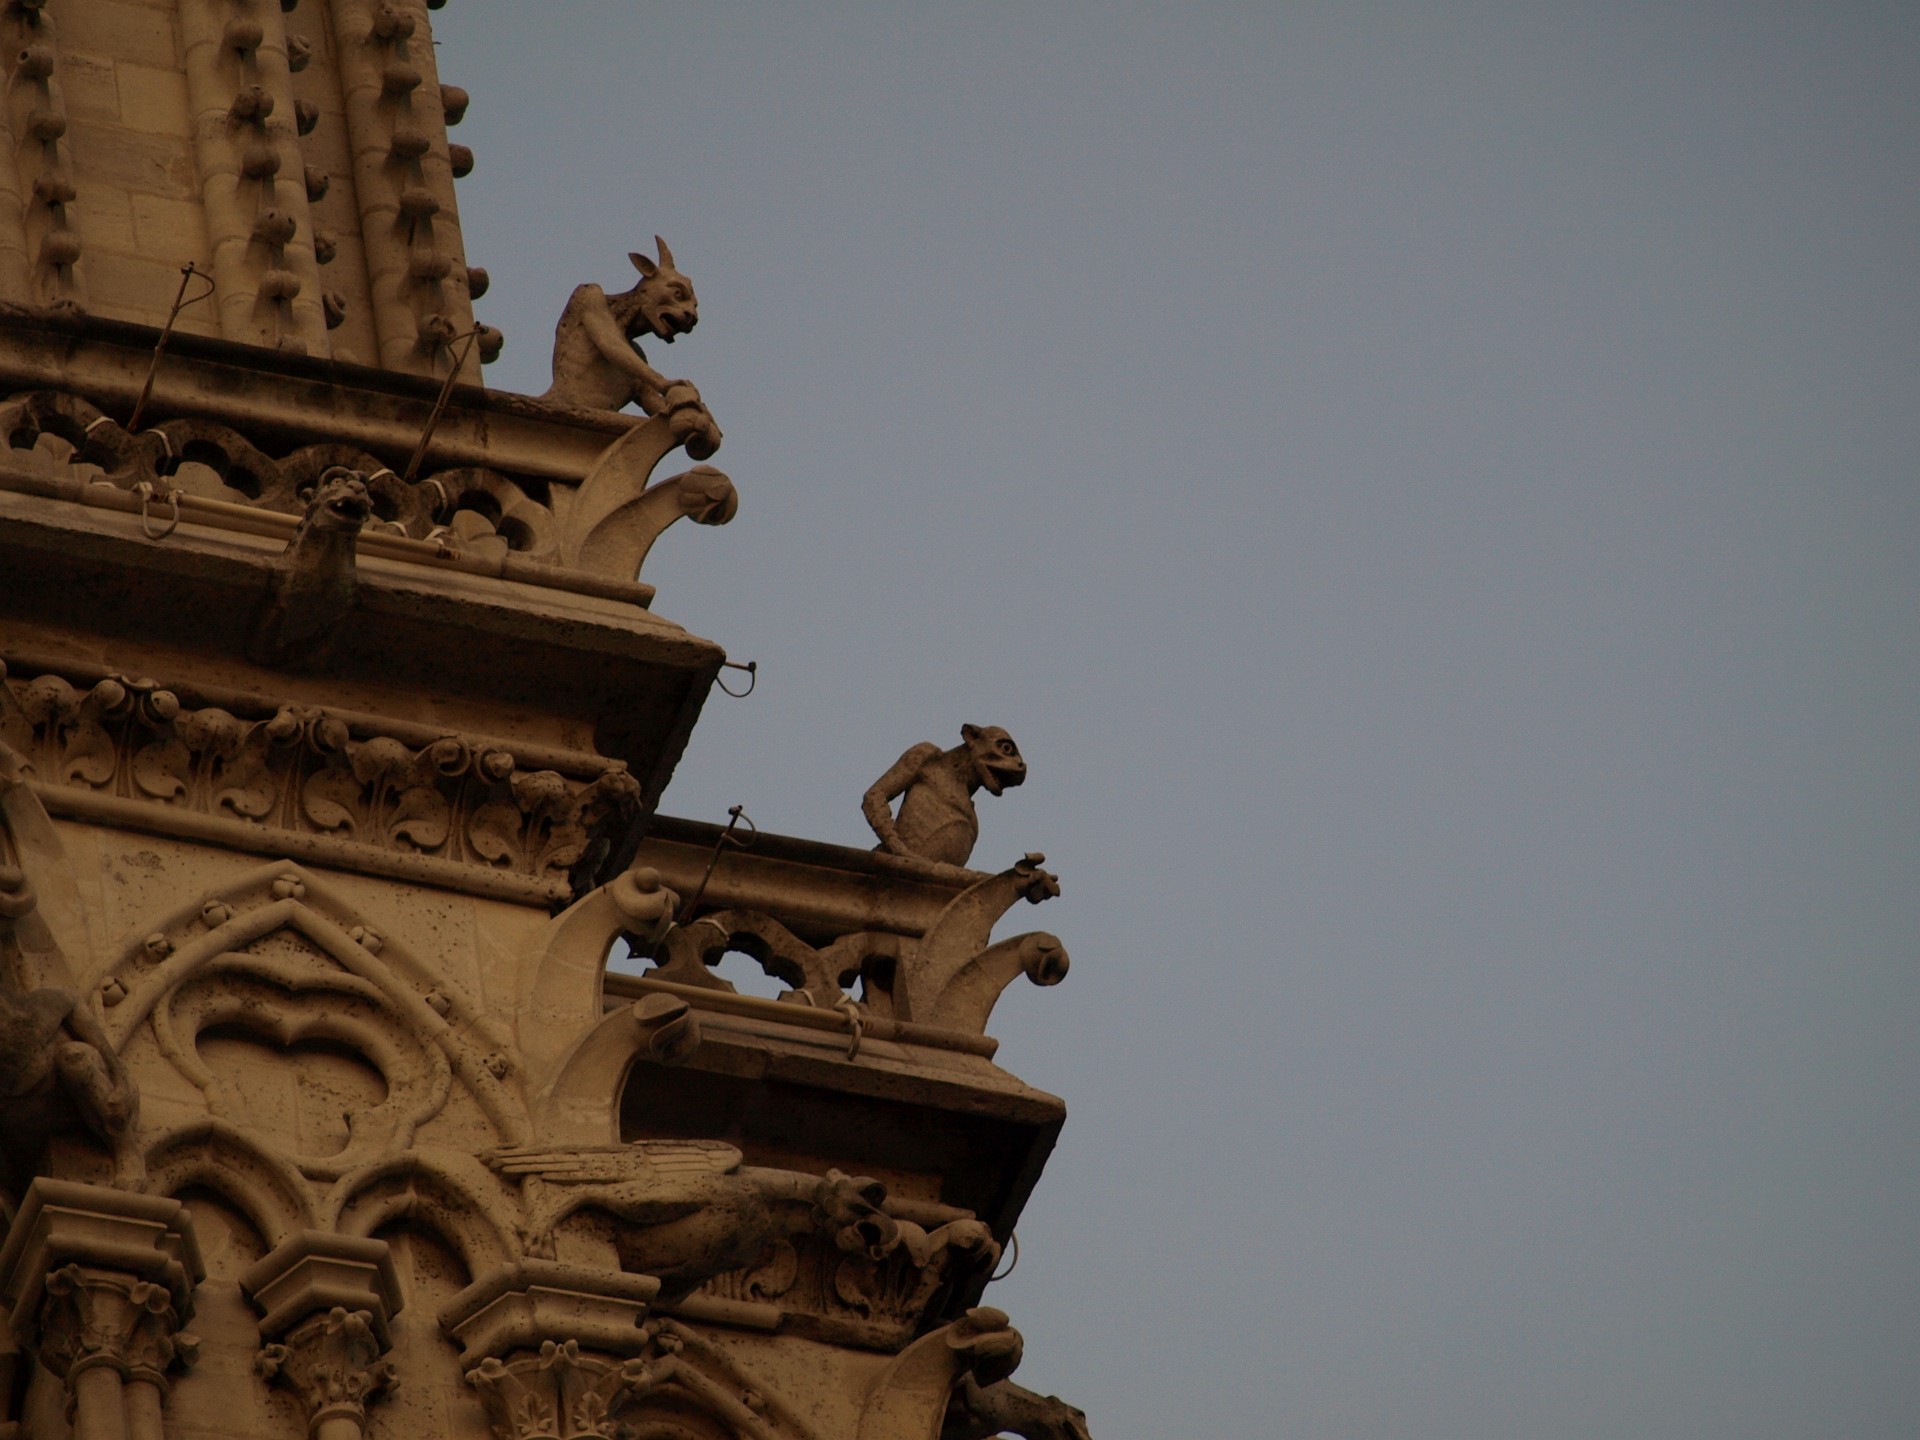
[937, 820]
[313, 582]
[595, 362]
[693, 1210]
[978, 1411]
[58, 1070]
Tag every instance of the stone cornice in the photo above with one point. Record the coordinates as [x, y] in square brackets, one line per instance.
[338, 787]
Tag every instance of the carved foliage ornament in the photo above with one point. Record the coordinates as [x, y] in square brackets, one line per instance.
[304, 769]
[333, 1364]
[100, 1318]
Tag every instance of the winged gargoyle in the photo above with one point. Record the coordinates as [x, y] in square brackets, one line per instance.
[689, 1210]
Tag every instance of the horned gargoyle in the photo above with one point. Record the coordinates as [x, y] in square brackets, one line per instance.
[313, 582]
[689, 1210]
[937, 820]
[59, 1072]
[597, 366]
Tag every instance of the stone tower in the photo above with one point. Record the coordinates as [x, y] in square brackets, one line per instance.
[334, 721]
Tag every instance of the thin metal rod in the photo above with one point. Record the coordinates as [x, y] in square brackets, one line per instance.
[440, 406]
[725, 838]
[180, 302]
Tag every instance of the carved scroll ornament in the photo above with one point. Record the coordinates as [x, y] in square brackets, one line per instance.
[308, 771]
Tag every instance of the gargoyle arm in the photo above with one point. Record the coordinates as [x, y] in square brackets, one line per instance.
[877, 804]
[621, 353]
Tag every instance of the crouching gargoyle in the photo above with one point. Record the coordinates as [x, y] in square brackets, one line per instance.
[59, 1072]
[597, 366]
[311, 588]
[937, 820]
[689, 1210]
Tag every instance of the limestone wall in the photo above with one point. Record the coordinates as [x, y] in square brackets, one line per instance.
[298, 160]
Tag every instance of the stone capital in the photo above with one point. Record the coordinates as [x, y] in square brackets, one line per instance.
[326, 1303]
[532, 1302]
[552, 1349]
[316, 1272]
[82, 1263]
[93, 1319]
[334, 1362]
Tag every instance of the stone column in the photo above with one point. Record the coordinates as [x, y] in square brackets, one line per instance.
[97, 1283]
[553, 1349]
[327, 1303]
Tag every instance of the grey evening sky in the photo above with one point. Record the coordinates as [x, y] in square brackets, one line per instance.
[1432, 489]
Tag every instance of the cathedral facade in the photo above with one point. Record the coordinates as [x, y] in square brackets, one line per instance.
[335, 717]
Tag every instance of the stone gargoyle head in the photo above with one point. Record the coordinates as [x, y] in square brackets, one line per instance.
[340, 502]
[662, 304]
[994, 758]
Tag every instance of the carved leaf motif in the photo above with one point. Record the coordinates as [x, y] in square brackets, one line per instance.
[494, 833]
[856, 1282]
[333, 799]
[420, 818]
[246, 785]
[774, 1276]
[88, 756]
[16, 730]
[381, 759]
[163, 769]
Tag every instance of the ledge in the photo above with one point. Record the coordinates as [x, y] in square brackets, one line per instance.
[297, 399]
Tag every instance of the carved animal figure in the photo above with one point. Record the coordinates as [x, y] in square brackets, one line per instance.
[595, 362]
[978, 1411]
[694, 1210]
[58, 1070]
[937, 820]
[313, 582]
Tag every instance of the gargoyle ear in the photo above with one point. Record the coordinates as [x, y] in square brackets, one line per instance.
[969, 732]
[641, 263]
[666, 255]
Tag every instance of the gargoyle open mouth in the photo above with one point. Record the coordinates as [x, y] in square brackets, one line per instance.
[350, 508]
[670, 324]
[997, 778]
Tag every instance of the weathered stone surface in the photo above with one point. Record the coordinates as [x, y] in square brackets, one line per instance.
[334, 722]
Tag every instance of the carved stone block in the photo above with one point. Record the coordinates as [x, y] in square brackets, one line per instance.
[63, 1223]
[532, 1302]
[315, 1272]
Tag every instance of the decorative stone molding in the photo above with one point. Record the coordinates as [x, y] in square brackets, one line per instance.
[464, 802]
[327, 1302]
[853, 1297]
[550, 1348]
[98, 1283]
[315, 1272]
[60, 1222]
[560, 1392]
[334, 1365]
[531, 1302]
[105, 1319]
[949, 980]
[475, 513]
